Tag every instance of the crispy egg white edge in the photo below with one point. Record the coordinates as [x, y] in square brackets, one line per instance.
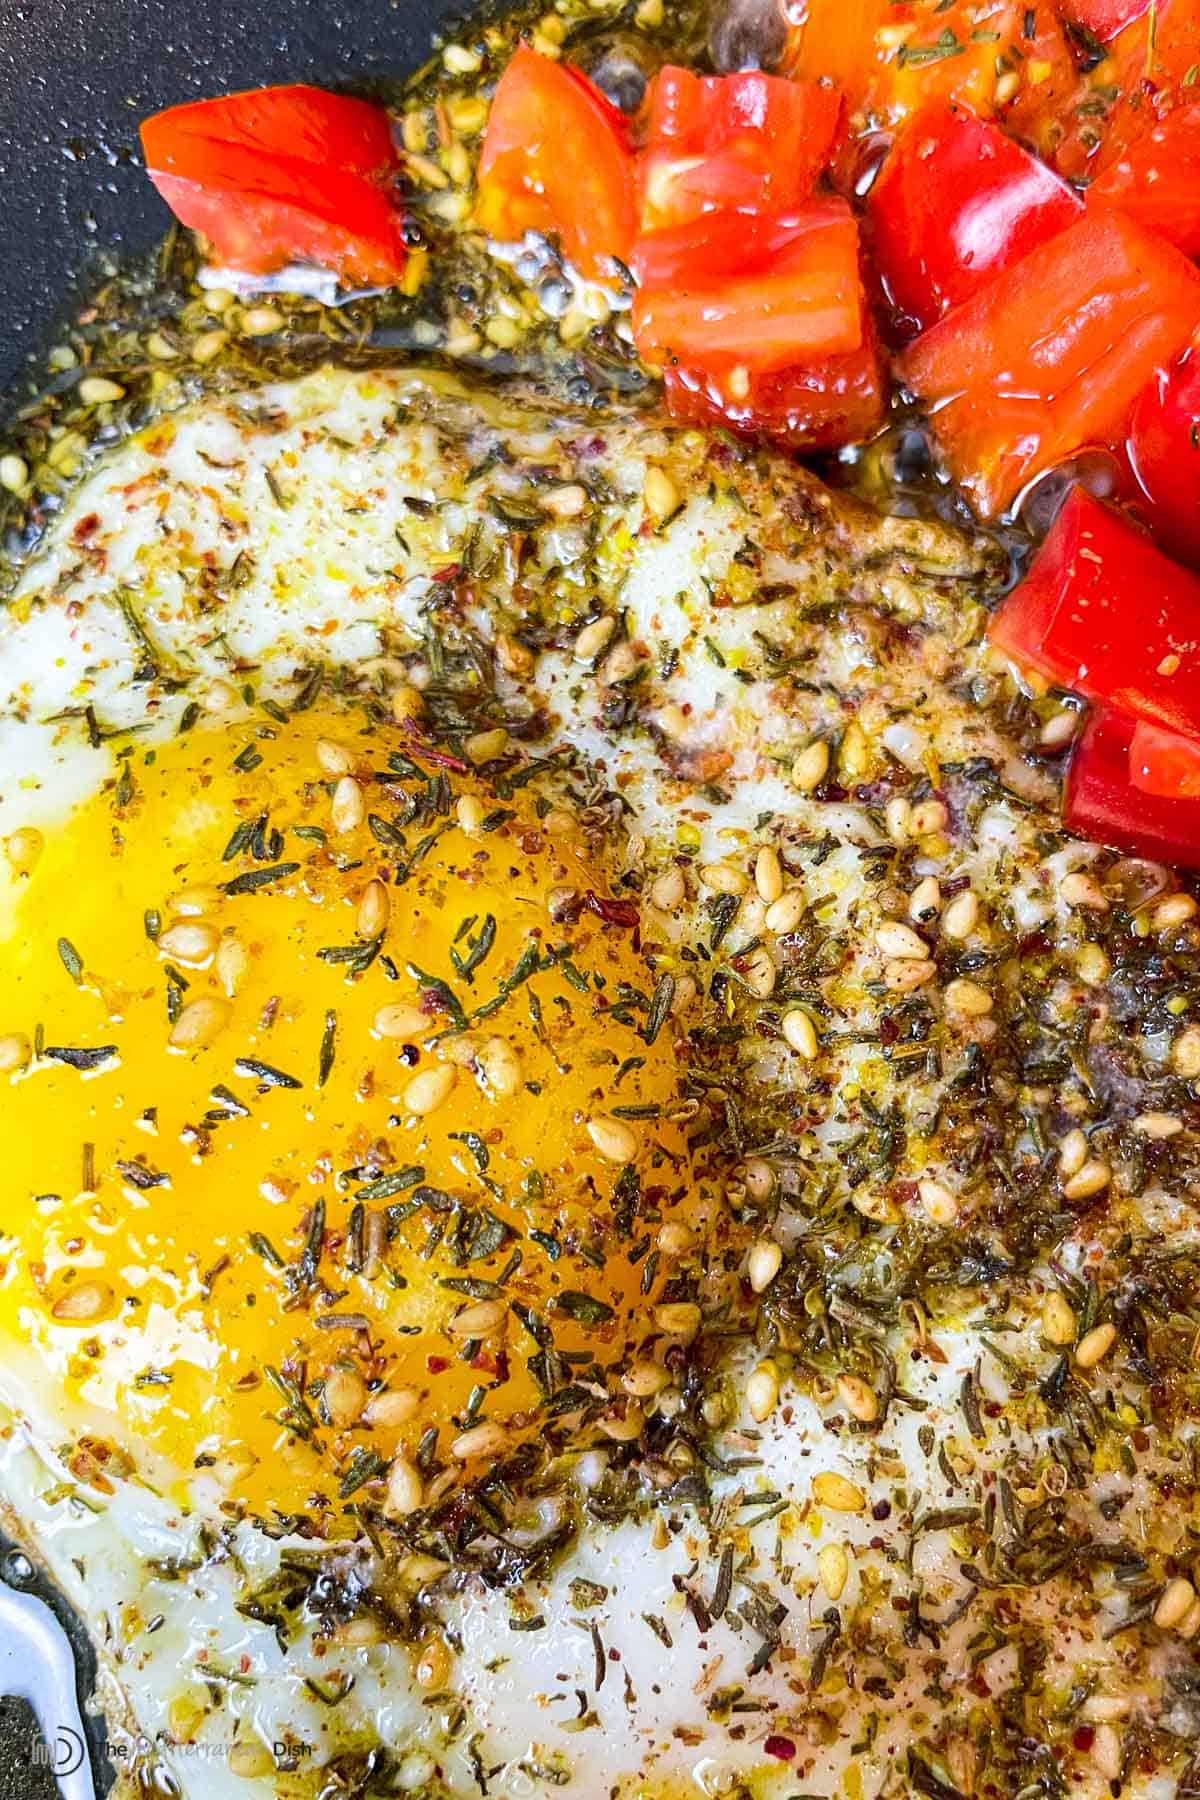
[322, 581]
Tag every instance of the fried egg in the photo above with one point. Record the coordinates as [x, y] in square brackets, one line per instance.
[511, 925]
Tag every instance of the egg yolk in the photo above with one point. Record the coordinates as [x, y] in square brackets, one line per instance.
[339, 1123]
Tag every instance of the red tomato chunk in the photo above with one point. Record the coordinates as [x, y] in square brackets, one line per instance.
[1051, 355]
[1101, 802]
[280, 175]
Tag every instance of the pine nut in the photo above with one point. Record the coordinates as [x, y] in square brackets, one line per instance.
[1095, 1345]
[927, 818]
[393, 1408]
[16, 1052]
[762, 1390]
[799, 1033]
[594, 639]
[676, 1240]
[1083, 891]
[193, 945]
[759, 973]
[478, 1320]
[429, 1090]
[614, 1139]
[1189, 1625]
[231, 962]
[250, 1760]
[512, 655]
[678, 1318]
[199, 1023]
[405, 1489]
[784, 914]
[961, 916]
[1158, 1125]
[967, 999]
[433, 1669]
[1174, 1603]
[833, 1567]
[763, 1264]
[486, 1440]
[924, 901]
[1058, 1320]
[901, 942]
[565, 502]
[759, 1178]
[897, 816]
[660, 494]
[836, 1494]
[1176, 909]
[811, 766]
[1093, 1178]
[83, 1303]
[373, 911]
[470, 812]
[941, 1206]
[407, 703]
[668, 890]
[1185, 1053]
[724, 878]
[189, 902]
[345, 1396]
[261, 321]
[348, 811]
[644, 1379]
[1072, 1153]
[400, 1021]
[768, 874]
[1058, 730]
[1106, 1752]
[482, 746]
[14, 472]
[96, 390]
[500, 1066]
[860, 1400]
[624, 1422]
[907, 974]
[333, 759]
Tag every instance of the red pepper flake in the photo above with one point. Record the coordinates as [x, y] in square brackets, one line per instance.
[781, 1748]
[613, 912]
[1083, 1738]
[437, 1365]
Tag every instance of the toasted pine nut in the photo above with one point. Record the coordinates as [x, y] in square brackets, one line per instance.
[763, 1264]
[393, 1408]
[347, 811]
[860, 1400]
[479, 1319]
[405, 1489]
[1072, 1153]
[373, 911]
[811, 766]
[80, 1304]
[967, 999]
[784, 914]
[644, 1379]
[901, 942]
[345, 1396]
[614, 1139]
[678, 1318]
[1095, 1345]
[429, 1090]
[905, 974]
[762, 1390]
[768, 874]
[724, 878]
[193, 945]
[199, 1023]
[927, 818]
[759, 1177]
[940, 1204]
[594, 638]
[1176, 909]
[961, 916]
[482, 746]
[333, 759]
[833, 1491]
[486, 1440]
[1058, 1320]
[799, 1033]
[1174, 1602]
[500, 1066]
[833, 1566]
[1158, 1125]
[470, 812]
[399, 1021]
[924, 901]
[668, 890]
[759, 973]
[1093, 1178]
[1083, 891]
[565, 502]
[660, 494]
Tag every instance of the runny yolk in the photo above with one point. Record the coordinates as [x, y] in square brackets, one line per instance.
[329, 1144]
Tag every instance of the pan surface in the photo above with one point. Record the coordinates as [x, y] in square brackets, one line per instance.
[76, 76]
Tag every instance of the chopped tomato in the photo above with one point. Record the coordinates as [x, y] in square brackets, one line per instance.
[1149, 69]
[1103, 19]
[1100, 801]
[1164, 453]
[1105, 613]
[280, 175]
[1156, 180]
[1164, 762]
[556, 158]
[747, 142]
[957, 202]
[1052, 354]
[819, 406]
[750, 293]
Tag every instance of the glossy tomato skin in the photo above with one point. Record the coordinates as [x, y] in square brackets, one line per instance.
[1156, 180]
[1164, 453]
[749, 142]
[556, 158]
[735, 291]
[822, 406]
[280, 175]
[1104, 19]
[1103, 612]
[956, 203]
[1052, 354]
[1100, 801]
[1164, 762]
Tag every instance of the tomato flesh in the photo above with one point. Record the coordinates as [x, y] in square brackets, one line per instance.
[1156, 180]
[281, 175]
[1164, 453]
[818, 406]
[1105, 613]
[1103, 19]
[956, 203]
[1100, 801]
[1053, 353]
[747, 142]
[556, 158]
[1164, 762]
[794, 292]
